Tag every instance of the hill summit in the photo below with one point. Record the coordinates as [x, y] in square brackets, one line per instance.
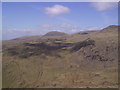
[55, 33]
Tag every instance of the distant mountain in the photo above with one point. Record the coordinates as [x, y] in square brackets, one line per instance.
[28, 37]
[55, 33]
[110, 28]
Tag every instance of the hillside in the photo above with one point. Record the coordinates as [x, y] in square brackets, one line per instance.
[81, 60]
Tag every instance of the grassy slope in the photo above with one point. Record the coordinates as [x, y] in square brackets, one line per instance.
[90, 66]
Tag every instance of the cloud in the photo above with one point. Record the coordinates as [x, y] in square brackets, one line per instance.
[56, 10]
[104, 6]
[91, 28]
[15, 33]
[22, 31]
[47, 25]
[73, 30]
[67, 28]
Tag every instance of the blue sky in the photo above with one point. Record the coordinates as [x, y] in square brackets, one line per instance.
[37, 18]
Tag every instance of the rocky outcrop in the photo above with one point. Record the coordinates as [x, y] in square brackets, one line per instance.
[85, 43]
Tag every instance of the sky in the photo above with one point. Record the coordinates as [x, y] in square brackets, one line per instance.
[37, 18]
